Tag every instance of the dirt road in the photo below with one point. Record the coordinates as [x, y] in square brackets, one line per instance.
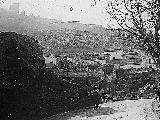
[126, 110]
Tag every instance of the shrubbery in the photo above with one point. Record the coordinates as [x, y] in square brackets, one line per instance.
[130, 82]
[27, 90]
[22, 64]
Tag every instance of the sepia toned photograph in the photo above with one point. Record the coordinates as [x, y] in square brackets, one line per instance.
[79, 59]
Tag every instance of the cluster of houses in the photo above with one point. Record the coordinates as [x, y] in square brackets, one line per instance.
[133, 59]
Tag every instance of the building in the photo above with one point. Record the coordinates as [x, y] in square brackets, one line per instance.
[147, 61]
[114, 54]
[14, 8]
[50, 59]
[137, 59]
[23, 13]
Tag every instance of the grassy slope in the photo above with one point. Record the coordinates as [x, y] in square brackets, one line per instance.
[38, 27]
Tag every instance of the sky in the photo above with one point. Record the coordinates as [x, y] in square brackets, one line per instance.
[84, 11]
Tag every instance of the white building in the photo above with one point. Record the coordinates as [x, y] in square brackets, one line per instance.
[14, 8]
[115, 54]
[50, 59]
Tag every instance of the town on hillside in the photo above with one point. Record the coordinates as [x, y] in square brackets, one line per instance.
[51, 69]
[88, 62]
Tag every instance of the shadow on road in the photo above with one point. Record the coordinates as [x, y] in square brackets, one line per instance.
[90, 112]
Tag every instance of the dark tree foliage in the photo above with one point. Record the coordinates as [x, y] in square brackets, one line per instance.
[21, 66]
[141, 19]
[27, 90]
[129, 82]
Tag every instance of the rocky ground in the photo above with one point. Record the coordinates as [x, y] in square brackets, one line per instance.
[142, 109]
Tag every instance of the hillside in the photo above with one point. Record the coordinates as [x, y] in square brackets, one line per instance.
[22, 23]
[30, 92]
[56, 35]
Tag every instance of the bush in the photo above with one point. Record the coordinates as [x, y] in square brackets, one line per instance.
[22, 64]
[130, 82]
[27, 90]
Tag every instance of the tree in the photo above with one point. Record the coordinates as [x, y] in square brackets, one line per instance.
[140, 19]
[22, 66]
[20, 52]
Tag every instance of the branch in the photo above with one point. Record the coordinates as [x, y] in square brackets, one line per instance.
[128, 30]
[125, 4]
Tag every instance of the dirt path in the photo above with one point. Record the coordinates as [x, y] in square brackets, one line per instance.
[126, 110]
[121, 110]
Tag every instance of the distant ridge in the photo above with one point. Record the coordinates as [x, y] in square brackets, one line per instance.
[73, 21]
[22, 23]
[56, 35]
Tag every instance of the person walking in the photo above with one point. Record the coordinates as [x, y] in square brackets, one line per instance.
[96, 97]
[108, 70]
[157, 97]
[103, 95]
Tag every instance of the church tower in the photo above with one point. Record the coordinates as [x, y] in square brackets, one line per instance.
[14, 8]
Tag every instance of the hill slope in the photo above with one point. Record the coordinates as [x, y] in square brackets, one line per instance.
[58, 35]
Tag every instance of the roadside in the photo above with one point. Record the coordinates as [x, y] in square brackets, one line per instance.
[156, 108]
[142, 109]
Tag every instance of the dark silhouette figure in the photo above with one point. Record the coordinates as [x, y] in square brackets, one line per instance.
[158, 94]
[108, 70]
[96, 97]
[104, 95]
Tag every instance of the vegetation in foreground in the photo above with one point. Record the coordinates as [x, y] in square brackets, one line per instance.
[28, 91]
